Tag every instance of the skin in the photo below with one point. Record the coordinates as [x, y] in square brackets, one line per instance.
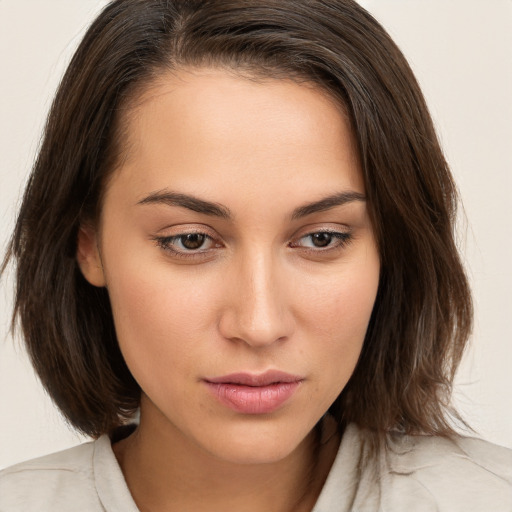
[259, 293]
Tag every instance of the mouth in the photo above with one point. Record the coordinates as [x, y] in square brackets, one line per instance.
[249, 393]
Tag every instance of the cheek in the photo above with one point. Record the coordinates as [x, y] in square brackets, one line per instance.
[160, 317]
[336, 315]
[341, 305]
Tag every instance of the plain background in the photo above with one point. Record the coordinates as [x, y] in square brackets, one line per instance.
[461, 51]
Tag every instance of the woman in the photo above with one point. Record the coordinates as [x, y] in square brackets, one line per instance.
[240, 221]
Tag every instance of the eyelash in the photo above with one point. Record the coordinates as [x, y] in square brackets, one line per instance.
[165, 243]
[343, 239]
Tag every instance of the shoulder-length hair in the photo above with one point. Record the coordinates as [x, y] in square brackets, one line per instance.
[422, 315]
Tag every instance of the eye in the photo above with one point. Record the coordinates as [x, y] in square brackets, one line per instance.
[187, 244]
[323, 240]
[191, 241]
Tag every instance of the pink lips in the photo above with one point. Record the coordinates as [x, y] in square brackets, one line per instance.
[254, 394]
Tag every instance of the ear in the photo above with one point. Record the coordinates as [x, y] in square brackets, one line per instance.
[88, 256]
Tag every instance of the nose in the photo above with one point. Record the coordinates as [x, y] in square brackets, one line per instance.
[257, 309]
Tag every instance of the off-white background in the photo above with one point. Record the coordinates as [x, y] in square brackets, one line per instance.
[461, 51]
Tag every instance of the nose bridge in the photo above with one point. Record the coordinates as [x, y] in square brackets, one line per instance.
[259, 313]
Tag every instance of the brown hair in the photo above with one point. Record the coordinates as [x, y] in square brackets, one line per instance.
[422, 315]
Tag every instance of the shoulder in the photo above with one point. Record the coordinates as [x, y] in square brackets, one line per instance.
[51, 482]
[456, 473]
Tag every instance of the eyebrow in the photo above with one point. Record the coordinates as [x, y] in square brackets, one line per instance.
[187, 201]
[327, 203]
[195, 204]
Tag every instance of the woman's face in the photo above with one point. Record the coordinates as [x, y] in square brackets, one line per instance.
[239, 258]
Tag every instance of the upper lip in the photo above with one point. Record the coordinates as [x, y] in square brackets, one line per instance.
[253, 379]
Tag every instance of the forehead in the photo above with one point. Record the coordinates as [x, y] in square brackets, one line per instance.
[198, 129]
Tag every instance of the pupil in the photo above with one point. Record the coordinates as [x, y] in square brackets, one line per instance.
[321, 239]
[192, 241]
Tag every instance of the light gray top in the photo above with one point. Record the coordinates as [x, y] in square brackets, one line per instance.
[417, 474]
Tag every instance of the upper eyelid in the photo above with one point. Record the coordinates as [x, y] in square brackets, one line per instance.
[345, 230]
[211, 233]
[185, 229]
[168, 232]
[324, 230]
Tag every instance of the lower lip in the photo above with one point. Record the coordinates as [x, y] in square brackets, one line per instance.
[253, 399]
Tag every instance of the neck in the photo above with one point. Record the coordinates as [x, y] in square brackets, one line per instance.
[165, 470]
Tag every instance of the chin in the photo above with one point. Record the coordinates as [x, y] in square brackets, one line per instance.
[247, 453]
[256, 445]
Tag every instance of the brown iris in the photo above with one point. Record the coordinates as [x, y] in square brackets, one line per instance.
[321, 239]
[193, 240]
